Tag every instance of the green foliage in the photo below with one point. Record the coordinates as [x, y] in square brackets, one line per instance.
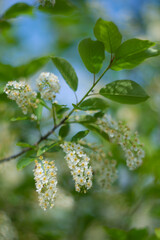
[79, 135]
[8, 72]
[124, 91]
[17, 10]
[108, 33]
[64, 130]
[94, 103]
[92, 54]
[138, 234]
[68, 7]
[95, 129]
[24, 162]
[131, 53]
[53, 147]
[25, 145]
[67, 72]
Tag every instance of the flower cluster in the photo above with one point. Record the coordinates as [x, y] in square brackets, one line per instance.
[48, 85]
[44, 2]
[103, 165]
[78, 162]
[22, 93]
[45, 174]
[121, 134]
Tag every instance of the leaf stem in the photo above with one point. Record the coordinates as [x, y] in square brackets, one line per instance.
[61, 122]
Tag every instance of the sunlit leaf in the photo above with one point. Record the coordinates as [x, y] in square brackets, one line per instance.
[108, 33]
[92, 54]
[124, 91]
[132, 52]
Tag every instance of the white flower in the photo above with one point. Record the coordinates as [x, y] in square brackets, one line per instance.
[48, 85]
[78, 162]
[121, 134]
[46, 183]
[22, 93]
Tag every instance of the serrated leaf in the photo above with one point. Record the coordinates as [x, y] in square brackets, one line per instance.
[92, 54]
[124, 91]
[16, 10]
[94, 104]
[64, 130]
[46, 148]
[79, 135]
[108, 33]
[132, 52]
[24, 161]
[67, 71]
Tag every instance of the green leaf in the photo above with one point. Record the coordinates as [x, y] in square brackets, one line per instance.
[67, 8]
[24, 161]
[19, 119]
[92, 54]
[17, 9]
[8, 72]
[39, 110]
[64, 130]
[108, 33]
[97, 130]
[124, 91]
[94, 104]
[25, 145]
[132, 52]
[67, 71]
[157, 232]
[46, 148]
[44, 104]
[79, 135]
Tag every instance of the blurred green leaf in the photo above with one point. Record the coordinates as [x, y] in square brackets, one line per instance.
[63, 7]
[46, 148]
[67, 71]
[19, 119]
[97, 130]
[132, 52]
[9, 73]
[94, 104]
[124, 91]
[39, 110]
[24, 161]
[79, 135]
[108, 33]
[64, 130]
[25, 145]
[92, 54]
[17, 10]
[157, 232]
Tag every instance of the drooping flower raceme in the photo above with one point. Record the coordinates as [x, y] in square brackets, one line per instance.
[24, 96]
[104, 166]
[48, 85]
[45, 175]
[121, 134]
[78, 162]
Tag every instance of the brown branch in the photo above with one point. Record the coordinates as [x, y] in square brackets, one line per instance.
[40, 140]
[61, 122]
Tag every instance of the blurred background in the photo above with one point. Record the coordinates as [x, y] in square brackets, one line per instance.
[134, 200]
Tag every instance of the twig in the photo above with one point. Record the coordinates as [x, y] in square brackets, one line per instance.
[58, 125]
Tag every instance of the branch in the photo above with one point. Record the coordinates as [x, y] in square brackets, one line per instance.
[58, 125]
